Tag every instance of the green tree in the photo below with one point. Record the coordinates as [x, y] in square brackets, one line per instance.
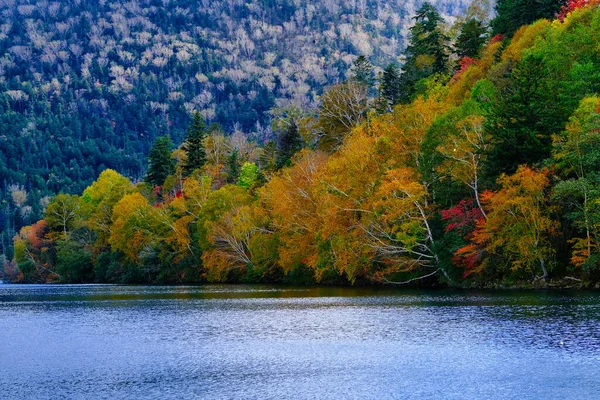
[427, 51]
[73, 262]
[577, 156]
[523, 118]
[63, 214]
[233, 166]
[391, 88]
[289, 142]
[512, 14]
[160, 160]
[362, 71]
[471, 39]
[249, 175]
[193, 145]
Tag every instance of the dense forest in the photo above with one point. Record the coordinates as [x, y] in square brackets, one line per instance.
[88, 85]
[484, 171]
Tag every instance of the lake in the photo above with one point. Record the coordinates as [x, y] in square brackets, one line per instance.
[270, 342]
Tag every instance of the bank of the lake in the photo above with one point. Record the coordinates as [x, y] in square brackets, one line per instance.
[259, 341]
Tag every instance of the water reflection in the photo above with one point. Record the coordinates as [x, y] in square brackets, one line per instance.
[256, 341]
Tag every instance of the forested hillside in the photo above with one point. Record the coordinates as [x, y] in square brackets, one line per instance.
[479, 172]
[88, 85]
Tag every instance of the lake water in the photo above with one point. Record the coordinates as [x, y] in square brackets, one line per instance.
[266, 342]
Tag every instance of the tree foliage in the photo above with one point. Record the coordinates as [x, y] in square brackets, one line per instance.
[489, 178]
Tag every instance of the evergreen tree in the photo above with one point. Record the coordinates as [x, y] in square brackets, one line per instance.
[160, 161]
[512, 14]
[390, 88]
[427, 52]
[193, 145]
[471, 38]
[362, 71]
[233, 165]
[288, 144]
[522, 121]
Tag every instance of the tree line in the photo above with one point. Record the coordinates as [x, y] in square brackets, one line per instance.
[479, 174]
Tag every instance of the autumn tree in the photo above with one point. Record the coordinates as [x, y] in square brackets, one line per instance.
[135, 226]
[342, 107]
[519, 227]
[33, 253]
[465, 155]
[292, 202]
[230, 239]
[101, 196]
[63, 214]
[577, 154]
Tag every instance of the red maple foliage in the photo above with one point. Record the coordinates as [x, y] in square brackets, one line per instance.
[573, 5]
[462, 218]
[464, 63]
[497, 38]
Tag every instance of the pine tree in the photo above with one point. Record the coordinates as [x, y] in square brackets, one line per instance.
[288, 144]
[471, 39]
[512, 14]
[233, 165]
[390, 85]
[523, 119]
[427, 52]
[362, 71]
[160, 161]
[193, 145]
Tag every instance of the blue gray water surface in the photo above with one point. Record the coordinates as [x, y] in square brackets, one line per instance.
[267, 342]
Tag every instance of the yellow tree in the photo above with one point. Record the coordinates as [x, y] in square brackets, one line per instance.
[230, 239]
[135, 226]
[401, 233]
[101, 196]
[343, 107]
[64, 213]
[577, 154]
[292, 202]
[404, 130]
[518, 227]
[345, 188]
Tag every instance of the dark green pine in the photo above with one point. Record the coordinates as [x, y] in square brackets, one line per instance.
[471, 39]
[160, 161]
[193, 145]
[289, 143]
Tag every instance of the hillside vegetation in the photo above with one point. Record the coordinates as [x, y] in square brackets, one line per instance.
[483, 175]
[88, 85]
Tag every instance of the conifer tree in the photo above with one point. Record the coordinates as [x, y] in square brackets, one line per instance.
[471, 39]
[289, 143]
[160, 161]
[362, 71]
[233, 165]
[523, 119]
[193, 145]
[512, 14]
[427, 51]
[390, 85]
